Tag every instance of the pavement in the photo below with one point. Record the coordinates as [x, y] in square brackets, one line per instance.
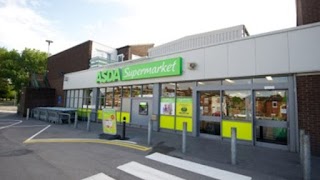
[259, 162]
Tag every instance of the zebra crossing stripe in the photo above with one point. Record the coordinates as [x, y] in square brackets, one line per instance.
[197, 168]
[100, 176]
[145, 172]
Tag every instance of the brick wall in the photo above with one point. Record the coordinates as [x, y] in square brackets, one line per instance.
[35, 97]
[308, 11]
[308, 95]
[71, 60]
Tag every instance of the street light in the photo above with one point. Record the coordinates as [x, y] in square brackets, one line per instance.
[49, 42]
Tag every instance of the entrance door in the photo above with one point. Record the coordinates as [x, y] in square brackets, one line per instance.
[210, 113]
[271, 123]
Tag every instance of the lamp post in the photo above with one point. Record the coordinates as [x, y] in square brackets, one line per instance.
[49, 42]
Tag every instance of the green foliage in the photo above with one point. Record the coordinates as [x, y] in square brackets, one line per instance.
[18, 67]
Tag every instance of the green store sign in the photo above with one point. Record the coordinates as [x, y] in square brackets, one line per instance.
[168, 67]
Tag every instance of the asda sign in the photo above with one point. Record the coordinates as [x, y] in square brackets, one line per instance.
[168, 67]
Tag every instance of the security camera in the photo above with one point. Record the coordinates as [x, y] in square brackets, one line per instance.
[192, 66]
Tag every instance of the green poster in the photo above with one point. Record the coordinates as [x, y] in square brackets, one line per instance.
[184, 107]
[109, 121]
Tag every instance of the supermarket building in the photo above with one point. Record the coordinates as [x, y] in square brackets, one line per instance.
[267, 86]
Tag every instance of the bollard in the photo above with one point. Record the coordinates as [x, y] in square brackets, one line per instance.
[233, 146]
[149, 131]
[301, 136]
[306, 158]
[184, 137]
[28, 112]
[124, 128]
[88, 122]
[76, 120]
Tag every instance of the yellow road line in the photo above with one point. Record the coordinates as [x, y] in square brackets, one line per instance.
[98, 141]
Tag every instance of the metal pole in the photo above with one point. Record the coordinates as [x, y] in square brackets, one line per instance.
[301, 135]
[233, 146]
[184, 137]
[306, 158]
[76, 120]
[88, 122]
[124, 130]
[149, 131]
[28, 112]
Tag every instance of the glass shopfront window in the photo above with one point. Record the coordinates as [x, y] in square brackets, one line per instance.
[184, 89]
[126, 90]
[271, 105]
[117, 97]
[270, 80]
[168, 90]
[147, 90]
[210, 103]
[136, 91]
[237, 105]
[208, 83]
[231, 82]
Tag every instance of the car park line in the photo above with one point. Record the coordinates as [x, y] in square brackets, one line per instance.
[3, 127]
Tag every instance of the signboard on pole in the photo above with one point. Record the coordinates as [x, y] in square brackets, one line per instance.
[109, 121]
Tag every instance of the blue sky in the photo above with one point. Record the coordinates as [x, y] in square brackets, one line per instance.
[116, 23]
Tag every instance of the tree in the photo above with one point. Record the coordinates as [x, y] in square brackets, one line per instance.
[18, 67]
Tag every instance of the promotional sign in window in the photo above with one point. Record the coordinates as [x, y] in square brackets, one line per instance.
[143, 108]
[184, 107]
[167, 106]
[109, 121]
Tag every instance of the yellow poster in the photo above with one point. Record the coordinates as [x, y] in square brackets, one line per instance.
[109, 121]
[184, 107]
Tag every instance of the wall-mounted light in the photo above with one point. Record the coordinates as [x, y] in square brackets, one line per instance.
[269, 78]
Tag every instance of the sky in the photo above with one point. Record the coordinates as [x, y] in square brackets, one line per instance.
[117, 23]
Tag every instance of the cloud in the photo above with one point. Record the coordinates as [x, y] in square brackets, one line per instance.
[23, 27]
[166, 20]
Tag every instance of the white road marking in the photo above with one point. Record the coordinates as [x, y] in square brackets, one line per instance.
[37, 133]
[100, 176]
[197, 168]
[145, 172]
[6, 111]
[131, 142]
[28, 126]
[3, 127]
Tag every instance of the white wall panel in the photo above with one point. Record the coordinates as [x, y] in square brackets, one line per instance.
[216, 62]
[304, 48]
[241, 58]
[272, 54]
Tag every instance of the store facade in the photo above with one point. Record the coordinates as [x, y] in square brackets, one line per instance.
[248, 83]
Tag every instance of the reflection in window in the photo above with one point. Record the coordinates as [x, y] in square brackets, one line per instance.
[126, 91]
[237, 105]
[209, 127]
[236, 81]
[117, 98]
[109, 97]
[275, 135]
[136, 91]
[184, 89]
[102, 99]
[87, 99]
[168, 90]
[270, 79]
[210, 103]
[147, 90]
[271, 105]
[208, 83]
